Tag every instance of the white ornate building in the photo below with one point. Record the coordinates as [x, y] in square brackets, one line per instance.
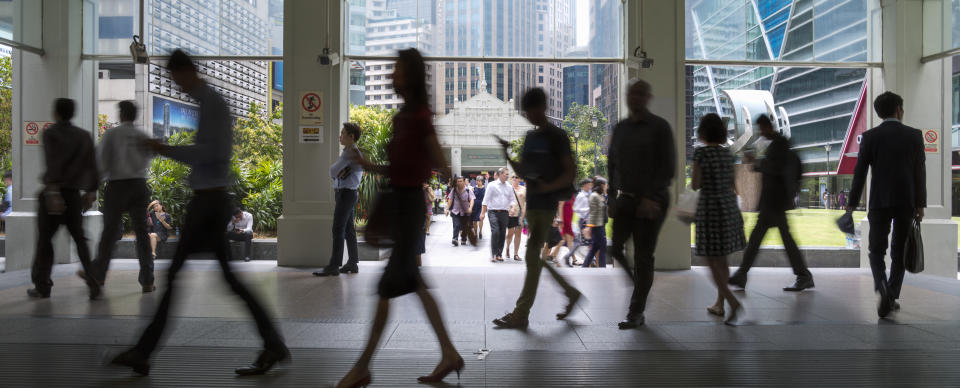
[466, 133]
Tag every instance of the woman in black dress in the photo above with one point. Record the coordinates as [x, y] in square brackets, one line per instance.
[413, 151]
[160, 225]
[719, 222]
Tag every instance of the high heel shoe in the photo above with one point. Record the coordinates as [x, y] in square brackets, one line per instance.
[443, 372]
[362, 382]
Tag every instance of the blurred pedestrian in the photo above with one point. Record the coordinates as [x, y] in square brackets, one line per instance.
[123, 157]
[719, 223]
[71, 168]
[517, 213]
[459, 208]
[546, 162]
[596, 225]
[476, 221]
[642, 164]
[412, 152]
[207, 213]
[781, 173]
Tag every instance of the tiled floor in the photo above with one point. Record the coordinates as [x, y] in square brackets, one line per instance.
[333, 315]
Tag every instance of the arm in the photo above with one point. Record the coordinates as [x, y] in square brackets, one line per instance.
[920, 177]
[668, 156]
[104, 153]
[52, 178]
[342, 162]
[248, 223]
[163, 221]
[566, 178]
[864, 159]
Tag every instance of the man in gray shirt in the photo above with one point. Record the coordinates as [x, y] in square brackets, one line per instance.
[123, 157]
[346, 174]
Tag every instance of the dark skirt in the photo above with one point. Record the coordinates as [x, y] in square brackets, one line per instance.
[513, 222]
[401, 275]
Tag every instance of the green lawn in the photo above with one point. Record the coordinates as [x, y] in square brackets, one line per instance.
[810, 227]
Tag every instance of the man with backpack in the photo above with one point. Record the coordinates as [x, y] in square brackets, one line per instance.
[781, 182]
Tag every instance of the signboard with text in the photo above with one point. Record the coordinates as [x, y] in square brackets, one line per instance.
[33, 131]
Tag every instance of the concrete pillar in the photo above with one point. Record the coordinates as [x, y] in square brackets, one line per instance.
[37, 81]
[303, 235]
[662, 22]
[456, 163]
[926, 91]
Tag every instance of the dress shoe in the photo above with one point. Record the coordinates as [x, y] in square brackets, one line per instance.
[800, 285]
[149, 288]
[93, 285]
[350, 268]
[895, 305]
[265, 361]
[574, 297]
[83, 275]
[35, 293]
[327, 272]
[454, 242]
[631, 322]
[133, 359]
[512, 321]
[884, 307]
[739, 279]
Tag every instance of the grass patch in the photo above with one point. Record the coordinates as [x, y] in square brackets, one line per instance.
[810, 227]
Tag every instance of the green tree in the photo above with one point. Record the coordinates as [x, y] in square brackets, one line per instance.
[589, 143]
[259, 135]
[377, 126]
[6, 113]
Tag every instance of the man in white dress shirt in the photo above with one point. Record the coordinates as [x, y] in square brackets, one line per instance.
[497, 202]
[240, 228]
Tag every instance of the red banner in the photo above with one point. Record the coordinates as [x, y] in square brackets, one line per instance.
[851, 146]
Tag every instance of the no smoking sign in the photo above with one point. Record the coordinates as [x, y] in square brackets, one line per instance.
[931, 141]
[311, 103]
[33, 131]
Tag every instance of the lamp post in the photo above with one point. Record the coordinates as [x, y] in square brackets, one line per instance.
[827, 202]
[576, 142]
[596, 156]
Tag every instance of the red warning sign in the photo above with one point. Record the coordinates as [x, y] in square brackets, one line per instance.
[310, 104]
[33, 131]
[931, 141]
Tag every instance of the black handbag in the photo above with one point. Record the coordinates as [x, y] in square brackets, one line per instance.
[913, 249]
[845, 223]
[377, 232]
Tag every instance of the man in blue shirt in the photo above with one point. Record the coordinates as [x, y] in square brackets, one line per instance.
[346, 174]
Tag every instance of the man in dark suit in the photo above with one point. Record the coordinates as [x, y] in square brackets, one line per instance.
[781, 179]
[898, 192]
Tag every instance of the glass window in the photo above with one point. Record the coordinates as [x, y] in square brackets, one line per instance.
[492, 27]
[20, 21]
[799, 30]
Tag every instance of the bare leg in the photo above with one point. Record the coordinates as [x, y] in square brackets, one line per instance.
[153, 244]
[721, 273]
[362, 368]
[516, 240]
[447, 350]
[507, 240]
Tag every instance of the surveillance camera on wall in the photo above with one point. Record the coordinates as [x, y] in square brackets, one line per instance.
[639, 60]
[138, 50]
[328, 59]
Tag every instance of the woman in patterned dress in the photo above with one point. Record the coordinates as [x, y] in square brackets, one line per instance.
[718, 219]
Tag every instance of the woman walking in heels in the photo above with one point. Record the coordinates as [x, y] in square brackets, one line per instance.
[718, 219]
[412, 152]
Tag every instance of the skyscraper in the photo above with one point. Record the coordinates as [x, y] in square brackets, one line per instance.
[555, 37]
[386, 32]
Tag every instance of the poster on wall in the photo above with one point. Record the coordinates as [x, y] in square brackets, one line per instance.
[931, 141]
[170, 117]
[312, 134]
[311, 103]
[33, 131]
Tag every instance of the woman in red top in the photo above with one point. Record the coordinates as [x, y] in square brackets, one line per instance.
[412, 152]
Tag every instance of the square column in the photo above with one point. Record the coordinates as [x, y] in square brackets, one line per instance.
[37, 81]
[662, 22]
[304, 230]
[926, 92]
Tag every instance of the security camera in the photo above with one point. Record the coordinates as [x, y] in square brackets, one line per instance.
[328, 59]
[639, 60]
[138, 50]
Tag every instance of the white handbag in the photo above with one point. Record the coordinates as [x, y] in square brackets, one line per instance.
[687, 206]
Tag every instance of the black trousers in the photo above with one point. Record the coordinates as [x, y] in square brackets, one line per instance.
[47, 226]
[645, 233]
[245, 237]
[344, 229]
[461, 225]
[130, 196]
[498, 228]
[880, 222]
[774, 219]
[207, 213]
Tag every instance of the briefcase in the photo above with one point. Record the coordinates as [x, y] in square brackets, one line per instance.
[913, 249]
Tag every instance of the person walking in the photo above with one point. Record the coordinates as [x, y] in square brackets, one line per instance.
[546, 162]
[7, 206]
[346, 174]
[780, 169]
[517, 213]
[476, 221]
[580, 205]
[71, 168]
[438, 201]
[497, 201]
[412, 152]
[597, 225]
[240, 228]
[719, 223]
[160, 224]
[898, 193]
[207, 213]
[428, 196]
[642, 164]
[460, 207]
[123, 157]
